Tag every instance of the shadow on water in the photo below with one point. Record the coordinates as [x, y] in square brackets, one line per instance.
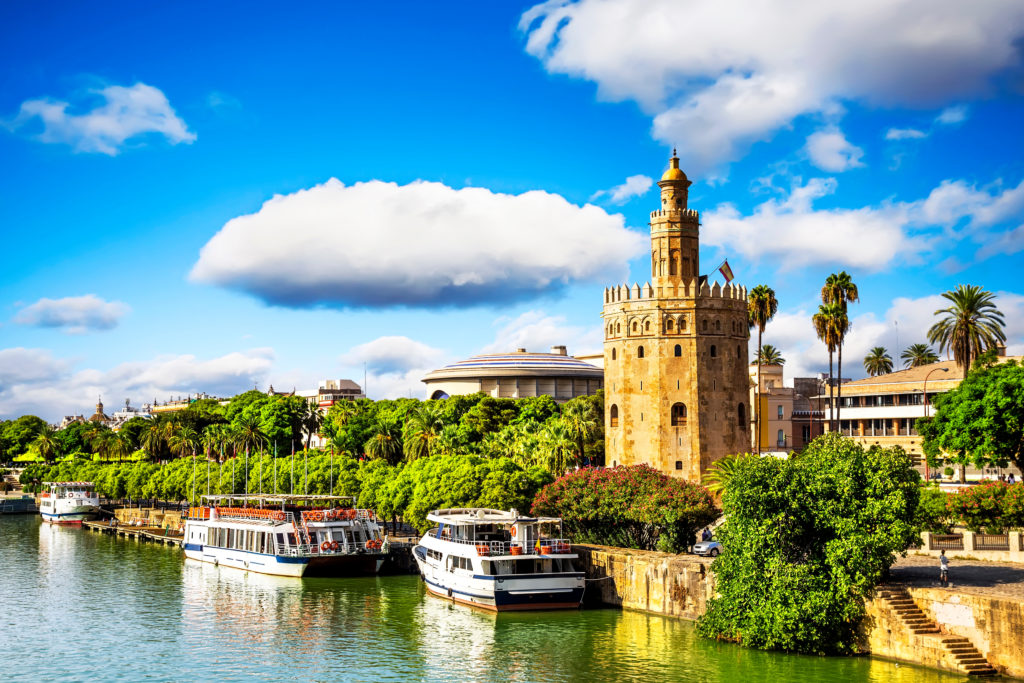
[88, 606]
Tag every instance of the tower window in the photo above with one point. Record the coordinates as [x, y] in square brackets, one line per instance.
[640, 352]
[682, 324]
[618, 328]
[718, 326]
[634, 327]
[714, 351]
[741, 415]
[678, 351]
[613, 354]
[668, 324]
[678, 414]
[704, 325]
[613, 416]
[738, 351]
[679, 464]
[647, 326]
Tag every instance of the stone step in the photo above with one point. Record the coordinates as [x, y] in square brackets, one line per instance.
[976, 667]
[955, 640]
[983, 672]
[924, 631]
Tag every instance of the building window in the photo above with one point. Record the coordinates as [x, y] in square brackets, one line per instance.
[714, 351]
[678, 414]
[634, 327]
[647, 326]
[640, 352]
[679, 464]
[668, 325]
[741, 415]
[613, 354]
[682, 324]
[806, 433]
[613, 416]
[780, 412]
[618, 328]
[782, 438]
[672, 268]
[704, 325]
[718, 326]
[678, 351]
[738, 352]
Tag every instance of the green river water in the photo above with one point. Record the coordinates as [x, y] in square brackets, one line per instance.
[81, 606]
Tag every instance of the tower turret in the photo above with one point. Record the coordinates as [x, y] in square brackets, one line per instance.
[674, 231]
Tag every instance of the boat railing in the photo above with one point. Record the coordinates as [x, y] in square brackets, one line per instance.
[314, 550]
[255, 514]
[543, 546]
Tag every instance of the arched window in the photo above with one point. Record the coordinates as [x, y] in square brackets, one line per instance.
[704, 325]
[718, 326]
[682, 324]
[669, 324]
[618, 328]
[673, 260]
[640, 352]
[613, 416]
[738, 351]
[741, 415]
[678, 351]
[678, 414]
[647, 326]
[714, 351]
[634, 326]
[613, 354]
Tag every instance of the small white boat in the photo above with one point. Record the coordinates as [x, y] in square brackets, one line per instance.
[285, 535]
[69, 502]
[499, 560]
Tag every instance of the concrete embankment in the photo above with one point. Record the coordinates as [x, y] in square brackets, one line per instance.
[938, 628]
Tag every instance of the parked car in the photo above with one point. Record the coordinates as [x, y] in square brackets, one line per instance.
[705, 548]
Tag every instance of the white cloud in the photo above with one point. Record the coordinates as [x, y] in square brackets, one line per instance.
[905, 134]
[951, 115]
[74, 314]
[717, 77]
[32, 381]
[635, 186]
[125, 113]
[830, 151]
[423, 244]
[393, 354]
[537, 331]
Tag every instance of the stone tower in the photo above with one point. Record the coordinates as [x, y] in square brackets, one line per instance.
[675, 353]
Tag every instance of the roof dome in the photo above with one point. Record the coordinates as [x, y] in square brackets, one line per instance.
[673, 172]
[520, 362]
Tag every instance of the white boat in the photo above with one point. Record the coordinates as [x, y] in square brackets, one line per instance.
[499, 560]
[69, 502]
[285, 535]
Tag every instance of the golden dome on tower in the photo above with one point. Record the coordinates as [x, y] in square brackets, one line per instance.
[673, 172]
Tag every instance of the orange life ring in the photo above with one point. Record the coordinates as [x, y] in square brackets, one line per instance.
[369, 545]
[279, 516]
[513, 531]
[325, 546]
[334, 545]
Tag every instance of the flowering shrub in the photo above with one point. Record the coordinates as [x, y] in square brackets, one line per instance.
[629, 507]
[994, 506]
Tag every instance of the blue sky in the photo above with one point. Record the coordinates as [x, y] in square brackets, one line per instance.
[480, 153]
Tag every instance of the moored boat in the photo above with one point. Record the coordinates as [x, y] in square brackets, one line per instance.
[499, 560]
[285, 535]
[68, 502]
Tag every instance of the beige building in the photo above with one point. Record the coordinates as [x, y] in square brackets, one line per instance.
[517, 375]
[789, 420]
[675, 353]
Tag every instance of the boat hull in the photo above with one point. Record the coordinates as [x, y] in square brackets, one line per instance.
[76, 515]
[272, 565]
[509, 601]
[359, 564]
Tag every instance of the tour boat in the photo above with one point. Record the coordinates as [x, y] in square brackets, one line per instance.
[68, 502]
[285, 535]
[499, 560]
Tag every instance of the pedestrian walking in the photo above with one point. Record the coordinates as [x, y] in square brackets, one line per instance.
[943, 569]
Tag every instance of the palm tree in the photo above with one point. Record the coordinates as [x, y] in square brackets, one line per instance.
[152, 440]
[721, 472]
[185, 441]
[761, 308]
[840, 289]
[769, 355]
[421, 430]
[311, 420]
[580, 422]
[47, 444]
[248, 434]
[918, 354]
[118, 446]
[878, 362]
[971, 326]
[386, 440]
[558, 449]
[827, 323]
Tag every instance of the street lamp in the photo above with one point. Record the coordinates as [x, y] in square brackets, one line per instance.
[925, 392]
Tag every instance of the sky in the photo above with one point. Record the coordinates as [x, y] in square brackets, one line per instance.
[211, 197]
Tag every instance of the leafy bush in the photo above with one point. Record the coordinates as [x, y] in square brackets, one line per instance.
[932, 511]
[806, 540]
[629, 507]
[993, 507]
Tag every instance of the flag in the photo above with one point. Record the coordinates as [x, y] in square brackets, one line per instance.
[726, 271]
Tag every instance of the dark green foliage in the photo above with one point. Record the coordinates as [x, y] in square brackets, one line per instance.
[992, 507]
[806, 540]
[630, 507]
[16, 435]
[132, 431]
[932, 512]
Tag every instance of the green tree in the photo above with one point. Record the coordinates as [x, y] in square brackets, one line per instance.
[971, 325]
[580, 420]
[152, 440]
[916, 355]
[311, 419]
[386, 440]
[761, 308]
[878, 361]
[806, 541]
[16, 435]
[184, 441]
[248, 435]
[981, 422]
[47, 443]
[421, 430]
[721, 472]
[840, 289]
[828, 322]
[558, 448]
[132, 431]
[769, 355]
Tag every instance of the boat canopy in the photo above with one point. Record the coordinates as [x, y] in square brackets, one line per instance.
[280, 498]
[69, 484]
[474, 516]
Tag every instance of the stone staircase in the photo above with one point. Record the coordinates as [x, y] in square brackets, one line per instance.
[960, 651]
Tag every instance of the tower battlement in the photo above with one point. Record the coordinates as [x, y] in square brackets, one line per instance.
[684, 215]
[681, 290]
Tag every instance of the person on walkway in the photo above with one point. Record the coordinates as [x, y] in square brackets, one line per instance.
[705, 535]
[943, 569]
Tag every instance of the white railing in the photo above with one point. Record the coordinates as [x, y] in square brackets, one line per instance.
[548, 546]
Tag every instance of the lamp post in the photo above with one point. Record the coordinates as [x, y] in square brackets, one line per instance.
[925, 392]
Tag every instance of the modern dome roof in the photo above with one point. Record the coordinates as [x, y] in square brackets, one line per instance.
[518, 363]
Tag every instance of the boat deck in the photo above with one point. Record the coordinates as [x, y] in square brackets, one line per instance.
[142, 533]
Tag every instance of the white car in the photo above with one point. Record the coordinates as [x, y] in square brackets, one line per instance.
[705, 548]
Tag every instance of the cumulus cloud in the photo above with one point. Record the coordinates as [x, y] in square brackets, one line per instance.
[952, 115]
[635, 186]
[830, 151]
[870, 237]
[393, 354]
[717, 79]
[32, 381]
[73, 314]
[377, 244]
[538, 331]
[905, 134]
[117, 114]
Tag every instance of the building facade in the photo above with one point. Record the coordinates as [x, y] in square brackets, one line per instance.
[786, 419]
[517, 375]
[675, 353]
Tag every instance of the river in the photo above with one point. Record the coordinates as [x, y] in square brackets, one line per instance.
[82, 606]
